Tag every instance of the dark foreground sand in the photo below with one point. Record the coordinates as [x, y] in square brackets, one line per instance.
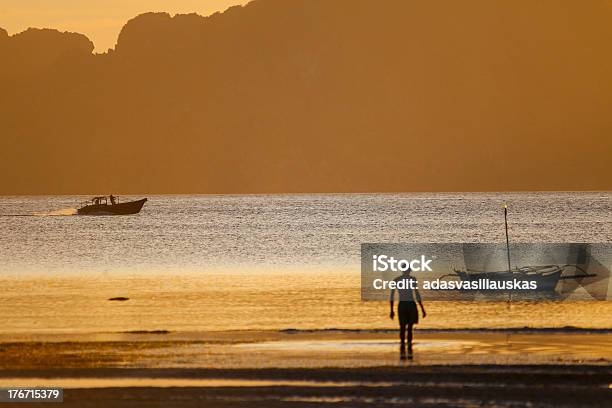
[463, 386]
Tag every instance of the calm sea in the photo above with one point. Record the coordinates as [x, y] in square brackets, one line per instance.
[264, 261]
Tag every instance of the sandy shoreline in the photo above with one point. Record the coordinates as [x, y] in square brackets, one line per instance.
[302, 349]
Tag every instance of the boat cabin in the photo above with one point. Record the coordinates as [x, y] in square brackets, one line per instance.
[101, 200]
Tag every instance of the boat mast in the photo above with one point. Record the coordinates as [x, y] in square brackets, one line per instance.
[508, 251]
[507, 239]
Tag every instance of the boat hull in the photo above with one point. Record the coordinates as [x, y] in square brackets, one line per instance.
[129, 208]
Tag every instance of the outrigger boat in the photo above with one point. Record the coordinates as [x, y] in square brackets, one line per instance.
[110, 206]
[546, 277]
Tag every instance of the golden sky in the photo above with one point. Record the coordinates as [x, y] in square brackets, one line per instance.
[100, 20]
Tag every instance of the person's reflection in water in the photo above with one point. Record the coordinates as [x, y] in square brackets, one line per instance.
[407, 312]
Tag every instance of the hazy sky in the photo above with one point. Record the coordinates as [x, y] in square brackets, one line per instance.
[100, 20]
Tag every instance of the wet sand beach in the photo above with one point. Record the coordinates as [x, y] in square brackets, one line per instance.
[316, 368]
[303, 348]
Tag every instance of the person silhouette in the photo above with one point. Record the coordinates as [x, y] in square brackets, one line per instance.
[113, 199]
[407, 312]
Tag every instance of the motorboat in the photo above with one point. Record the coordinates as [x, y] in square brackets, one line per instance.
[110, 205]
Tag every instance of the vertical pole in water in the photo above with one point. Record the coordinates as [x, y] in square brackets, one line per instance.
[507, 239]
[507, 248]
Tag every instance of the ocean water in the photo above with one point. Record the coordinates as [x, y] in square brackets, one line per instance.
[193, 263]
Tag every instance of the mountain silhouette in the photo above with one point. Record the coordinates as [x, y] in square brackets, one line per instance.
[315, 96]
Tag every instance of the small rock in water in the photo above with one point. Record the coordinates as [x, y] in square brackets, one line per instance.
[119, 298]
[147, 332]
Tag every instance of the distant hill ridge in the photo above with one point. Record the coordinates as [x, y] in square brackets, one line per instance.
[315, 96]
